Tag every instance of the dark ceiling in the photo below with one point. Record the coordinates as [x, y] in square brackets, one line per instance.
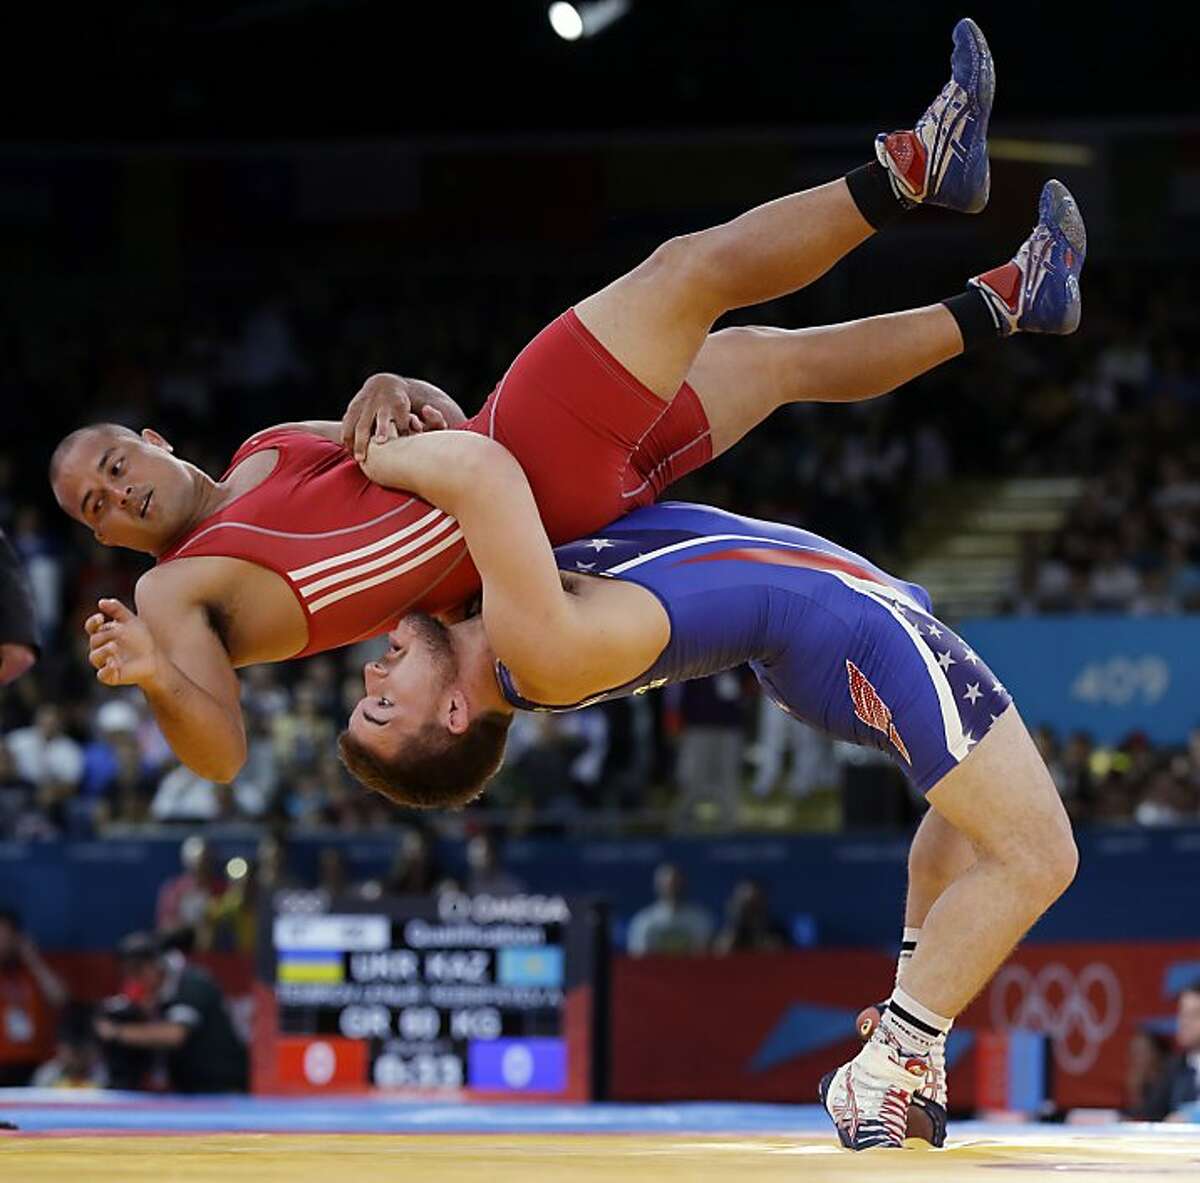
[146, 70]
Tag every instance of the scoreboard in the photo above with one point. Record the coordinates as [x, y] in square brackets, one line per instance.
[449, 995]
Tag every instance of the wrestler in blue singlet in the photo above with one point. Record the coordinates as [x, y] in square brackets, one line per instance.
[833, 639]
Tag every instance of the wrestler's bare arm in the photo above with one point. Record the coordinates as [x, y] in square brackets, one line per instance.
[168, 649]
[559, 647]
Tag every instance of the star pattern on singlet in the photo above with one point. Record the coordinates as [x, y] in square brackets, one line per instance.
[979, 696]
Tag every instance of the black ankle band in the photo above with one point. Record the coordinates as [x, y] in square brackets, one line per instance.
[873, 194]
[973, 317]
[913, 1021]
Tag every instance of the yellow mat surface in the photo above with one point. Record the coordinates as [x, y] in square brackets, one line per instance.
[543, 1159]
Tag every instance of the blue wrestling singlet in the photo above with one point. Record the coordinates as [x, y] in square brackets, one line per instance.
[833, 639]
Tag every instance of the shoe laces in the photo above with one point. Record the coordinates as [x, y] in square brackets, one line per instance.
[893, 1113]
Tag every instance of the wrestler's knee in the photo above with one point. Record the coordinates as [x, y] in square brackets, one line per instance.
[695, 266]
[938, 855]
[1044, 858]
[1062, 861]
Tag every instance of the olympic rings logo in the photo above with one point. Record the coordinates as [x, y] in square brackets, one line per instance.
[1079, 1013]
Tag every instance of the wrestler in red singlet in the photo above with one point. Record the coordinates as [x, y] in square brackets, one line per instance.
[594, 442]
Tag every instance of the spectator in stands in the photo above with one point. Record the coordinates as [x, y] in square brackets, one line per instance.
[1077, 786]
[1052, 590]
[257, 784]
[231, 924]
[271, 869]
[749, 926]
[77, 1063]
[39, 552]
[305, 804]
[708, 714]
[1165, 801]
[1115, 798]
[810, 754]
[30, 997]
[344, 804]
[1182, 574]
[333, 877]
[262, 695]
[182, 796]
[302, 733]
[117, 781]
[1176, 1083]
[1156, 597]
[414, 869]
[184, 902]
[537, 778]
[486, 874]
[1113, 584]
[188, 1021]
[670, 924]
[49, 758]
[20, 817]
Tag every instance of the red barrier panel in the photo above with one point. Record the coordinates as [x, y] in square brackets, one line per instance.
[752, 1026]
[767, 1026]
[1090, 999]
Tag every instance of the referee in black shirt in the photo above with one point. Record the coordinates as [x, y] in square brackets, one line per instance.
[187, 1020]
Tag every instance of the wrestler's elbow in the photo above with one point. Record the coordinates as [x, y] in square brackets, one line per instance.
[219, 761]
[485, 470]
[232, 761]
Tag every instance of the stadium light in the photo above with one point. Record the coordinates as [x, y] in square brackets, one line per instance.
[573, 21]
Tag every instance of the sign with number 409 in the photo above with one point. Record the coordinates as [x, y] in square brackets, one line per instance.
[1106, 675]
[1119, 681]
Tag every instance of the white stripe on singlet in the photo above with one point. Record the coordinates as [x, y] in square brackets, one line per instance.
[309, 590]
[333, 597]
[370, 549]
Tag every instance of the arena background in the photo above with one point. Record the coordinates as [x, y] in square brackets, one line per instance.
[216, 217]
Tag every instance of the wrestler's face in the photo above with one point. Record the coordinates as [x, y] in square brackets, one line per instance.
[406, 687]
[129, 490]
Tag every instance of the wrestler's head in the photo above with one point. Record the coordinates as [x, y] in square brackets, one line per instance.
[428, 733]
[128, 489]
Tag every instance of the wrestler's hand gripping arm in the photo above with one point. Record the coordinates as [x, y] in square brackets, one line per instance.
[387, 401]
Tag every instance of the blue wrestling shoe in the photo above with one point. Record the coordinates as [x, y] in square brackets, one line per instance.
[869, 1098]
[944, 159]
[1038, 292]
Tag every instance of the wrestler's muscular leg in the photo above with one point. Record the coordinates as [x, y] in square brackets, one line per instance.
[1003, 799]
[938, 856]
[655, 319]
[743, 374]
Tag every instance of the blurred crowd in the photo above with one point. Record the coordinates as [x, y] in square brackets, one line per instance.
[1120, 403]
[1126, 420]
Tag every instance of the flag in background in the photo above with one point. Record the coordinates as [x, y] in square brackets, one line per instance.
[310, 967]
[534, 965]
